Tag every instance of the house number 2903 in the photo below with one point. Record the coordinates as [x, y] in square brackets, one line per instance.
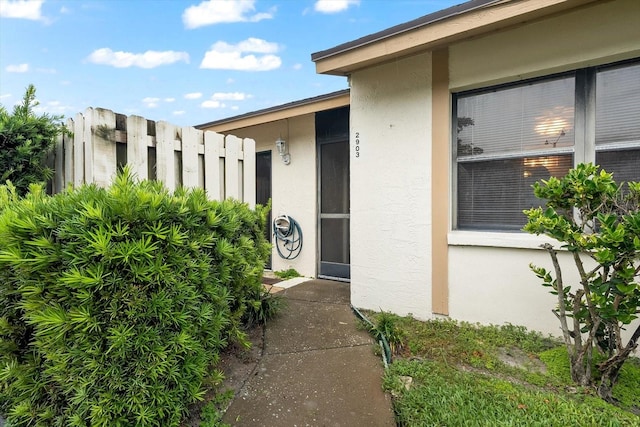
[357, 148]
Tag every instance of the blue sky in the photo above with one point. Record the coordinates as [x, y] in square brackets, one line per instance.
[184, 61]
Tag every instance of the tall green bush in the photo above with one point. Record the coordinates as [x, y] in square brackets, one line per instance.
[115, 303]
[25, 141]
[598, 222]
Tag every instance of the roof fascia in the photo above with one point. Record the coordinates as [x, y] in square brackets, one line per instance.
[281, 112]
[434, 34]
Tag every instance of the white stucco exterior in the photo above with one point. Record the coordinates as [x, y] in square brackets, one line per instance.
[390, 187]
[294, 185]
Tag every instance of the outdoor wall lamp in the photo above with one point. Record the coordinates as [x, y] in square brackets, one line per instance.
[283, 150]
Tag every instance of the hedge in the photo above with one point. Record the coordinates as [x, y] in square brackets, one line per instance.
[115, 303]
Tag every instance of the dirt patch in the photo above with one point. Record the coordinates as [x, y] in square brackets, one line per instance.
[237, 364]
[519, 359]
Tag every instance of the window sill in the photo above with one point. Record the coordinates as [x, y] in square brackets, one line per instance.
[499, 240]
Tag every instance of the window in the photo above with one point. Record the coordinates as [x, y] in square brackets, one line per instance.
[509, 137]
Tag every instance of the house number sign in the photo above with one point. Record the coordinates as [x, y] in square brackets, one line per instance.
[357, 147]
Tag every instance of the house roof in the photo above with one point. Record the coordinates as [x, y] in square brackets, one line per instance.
[292, 109]
[436, 30]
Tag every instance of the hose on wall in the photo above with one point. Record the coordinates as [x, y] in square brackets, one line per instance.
[288, 236]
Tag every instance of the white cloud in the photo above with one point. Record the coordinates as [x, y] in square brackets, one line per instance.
[47, 70]
[224, 56]
[230, 96]
[218, 97]
[54, 107]
[5, 96]
[151, 102]
[212, 104]
[149, 59]
[169, 99]
[23, 9]
[334, 6]
[179, 113]
[193, 95]
[297, 66]
[222, 11]
[18, 68]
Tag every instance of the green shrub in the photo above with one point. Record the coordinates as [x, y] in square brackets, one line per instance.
[598, 222]
[287, 274]
[114, 303]
[264, 306]
[25, 141]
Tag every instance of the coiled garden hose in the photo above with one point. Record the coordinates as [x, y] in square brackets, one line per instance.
[382, 340]
[288, 236]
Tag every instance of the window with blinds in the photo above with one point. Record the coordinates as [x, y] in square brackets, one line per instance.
[617, 121]
[509, 137]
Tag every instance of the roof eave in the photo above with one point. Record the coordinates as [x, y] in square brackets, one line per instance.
[284, 111]
[428, 33]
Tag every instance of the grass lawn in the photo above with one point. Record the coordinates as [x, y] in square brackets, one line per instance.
[458, 374]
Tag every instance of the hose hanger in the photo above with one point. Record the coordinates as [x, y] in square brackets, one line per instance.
[288, 236]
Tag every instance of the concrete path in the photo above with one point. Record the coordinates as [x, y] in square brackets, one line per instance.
[318, 368]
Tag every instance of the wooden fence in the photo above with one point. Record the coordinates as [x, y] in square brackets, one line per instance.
[101, 141]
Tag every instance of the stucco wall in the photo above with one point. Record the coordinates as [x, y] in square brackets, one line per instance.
[390, 187]
[490, 283]
[293, 185]
[495, 286]
[595, 35]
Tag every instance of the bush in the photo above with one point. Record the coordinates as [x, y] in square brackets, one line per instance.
[114, 303]
[25, 141]
[598, 222]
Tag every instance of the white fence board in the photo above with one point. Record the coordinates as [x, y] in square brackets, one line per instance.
[249, 171]
[78, 150]
[184, 156]
[137, 145]
[212, 153]
[232, 150]
[103, 150]
[190, 138]
[165, 157]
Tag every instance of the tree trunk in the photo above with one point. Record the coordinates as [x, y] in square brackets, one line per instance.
[610, 369]
[609, 377]
[580, 368]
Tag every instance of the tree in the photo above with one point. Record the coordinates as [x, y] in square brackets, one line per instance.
[598, 220]
[25, 141]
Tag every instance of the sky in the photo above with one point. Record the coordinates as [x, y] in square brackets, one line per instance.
[187, 62]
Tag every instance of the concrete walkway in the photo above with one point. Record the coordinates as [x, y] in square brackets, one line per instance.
[318, 368]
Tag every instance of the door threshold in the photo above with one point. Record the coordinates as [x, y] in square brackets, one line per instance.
[337, 279]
